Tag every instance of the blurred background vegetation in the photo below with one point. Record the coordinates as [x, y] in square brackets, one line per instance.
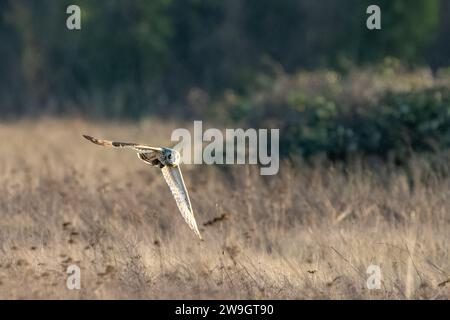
[310, 68]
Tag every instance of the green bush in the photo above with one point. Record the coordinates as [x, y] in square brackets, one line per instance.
[398, 124]
[383, 111]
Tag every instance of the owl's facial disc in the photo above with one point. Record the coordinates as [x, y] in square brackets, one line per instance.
[173, 157]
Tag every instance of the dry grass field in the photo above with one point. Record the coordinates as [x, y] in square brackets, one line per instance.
[306, 233]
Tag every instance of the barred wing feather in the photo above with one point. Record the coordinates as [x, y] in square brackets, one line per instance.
[135, 146]
[174, 179]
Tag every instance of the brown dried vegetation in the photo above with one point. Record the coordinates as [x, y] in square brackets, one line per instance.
[304, 233]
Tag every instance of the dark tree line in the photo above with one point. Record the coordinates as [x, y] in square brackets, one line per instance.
[136, 57]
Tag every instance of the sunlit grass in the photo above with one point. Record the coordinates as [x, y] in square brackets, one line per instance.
[305, 233]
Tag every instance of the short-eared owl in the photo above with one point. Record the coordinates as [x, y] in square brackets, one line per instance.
[169, 161]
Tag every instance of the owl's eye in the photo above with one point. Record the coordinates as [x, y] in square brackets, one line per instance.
[170, 156]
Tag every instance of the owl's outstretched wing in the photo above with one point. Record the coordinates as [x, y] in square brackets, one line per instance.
[174, 179]
[141, 148]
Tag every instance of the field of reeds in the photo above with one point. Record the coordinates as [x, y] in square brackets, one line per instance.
[309, 232]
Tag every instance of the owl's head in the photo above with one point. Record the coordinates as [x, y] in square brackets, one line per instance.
[172, 157]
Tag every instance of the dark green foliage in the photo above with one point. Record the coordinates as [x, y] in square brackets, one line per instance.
[407, 27]
[148, 54]
[397, 125]
[119, 51]
[386, 111]
[400, 123]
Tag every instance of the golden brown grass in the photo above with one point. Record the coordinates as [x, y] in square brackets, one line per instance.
[305, 233]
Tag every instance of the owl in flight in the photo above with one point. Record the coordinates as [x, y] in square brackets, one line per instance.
[168, 160]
